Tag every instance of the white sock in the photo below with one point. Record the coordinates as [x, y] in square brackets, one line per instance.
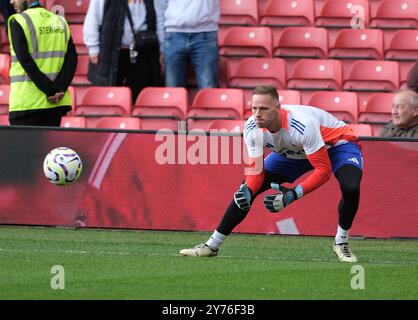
[342, 236]
[215, 240]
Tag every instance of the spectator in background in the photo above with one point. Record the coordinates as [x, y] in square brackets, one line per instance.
[108, 36]
[413, 78]
[191, 33]
[43, 65]
[404, 122]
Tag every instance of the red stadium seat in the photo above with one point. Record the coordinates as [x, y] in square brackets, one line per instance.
[344, 14]
[301, 42]
[161, 107]
[242, 12]
[215, 103]
[246, 42]
[251, 72]
[125, 123]
[395, 14]
[365, 75]
[4, 98]
[405, 71]
[4, 68]
[343, 105]
[315, 74]
[403, 46]
[289, 97]
[227, 125]
[80, 77]
[362, 130]
[4, 40]
[73, 10]
[378, 108]
[104, 101]
[76, 31]
[357, 44]
[377, 111]
[4, 120]
[73, 122]
[288, 13]
[73, 100]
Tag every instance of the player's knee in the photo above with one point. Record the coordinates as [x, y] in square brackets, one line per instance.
[351, 190]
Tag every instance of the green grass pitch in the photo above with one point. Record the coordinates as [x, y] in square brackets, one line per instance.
[144, 265]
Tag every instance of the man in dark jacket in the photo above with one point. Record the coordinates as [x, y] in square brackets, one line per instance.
[108, 35]
[404, 122]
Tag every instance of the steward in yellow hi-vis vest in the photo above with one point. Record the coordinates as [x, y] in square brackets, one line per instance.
[43, 63]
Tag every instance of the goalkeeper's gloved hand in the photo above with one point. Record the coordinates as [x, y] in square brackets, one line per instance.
[278, 201]
[242, 197]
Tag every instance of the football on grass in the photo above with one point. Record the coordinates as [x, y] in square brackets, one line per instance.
[62, 166]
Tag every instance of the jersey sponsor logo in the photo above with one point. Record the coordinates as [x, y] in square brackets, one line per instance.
[298, 126]
[285, 152]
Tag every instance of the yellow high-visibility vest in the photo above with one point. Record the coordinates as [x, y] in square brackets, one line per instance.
[47, 35]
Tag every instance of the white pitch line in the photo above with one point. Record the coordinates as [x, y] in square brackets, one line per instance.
[85, 252]
[414, 263]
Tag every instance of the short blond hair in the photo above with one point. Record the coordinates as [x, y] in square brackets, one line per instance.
[268, 90]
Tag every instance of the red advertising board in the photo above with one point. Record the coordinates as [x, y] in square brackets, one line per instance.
[168, 182]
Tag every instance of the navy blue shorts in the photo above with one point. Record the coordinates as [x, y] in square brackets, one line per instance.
[348, 153]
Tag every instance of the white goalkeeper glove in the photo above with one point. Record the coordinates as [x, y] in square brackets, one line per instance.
[242, 197]
[276, 202]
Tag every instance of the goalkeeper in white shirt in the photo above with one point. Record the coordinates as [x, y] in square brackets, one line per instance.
[301, 139]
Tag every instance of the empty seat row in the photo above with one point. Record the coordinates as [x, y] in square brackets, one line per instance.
[316, 74]
[330, 13]
[161, 107]
[247, 72]
[314, 42]
[164, 107]
[132, 123]
[360, 129]
[124, 123]
[157, 107]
